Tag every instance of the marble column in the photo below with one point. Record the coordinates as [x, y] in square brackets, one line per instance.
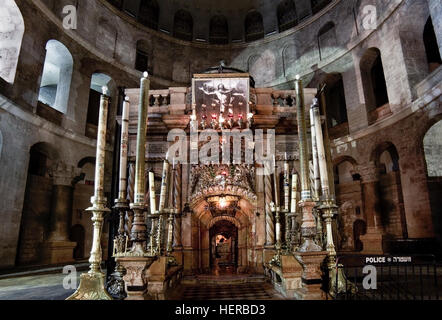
[372, 240]
[58, 248]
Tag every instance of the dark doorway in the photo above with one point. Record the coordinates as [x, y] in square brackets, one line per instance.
[223, 247]
[78, 235]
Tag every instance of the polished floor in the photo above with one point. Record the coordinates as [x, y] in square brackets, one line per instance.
[203, 287]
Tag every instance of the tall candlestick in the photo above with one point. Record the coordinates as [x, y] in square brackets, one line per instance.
[124, 149]
[153, 205]
[316, 174]
[92, 283]
[164, 180]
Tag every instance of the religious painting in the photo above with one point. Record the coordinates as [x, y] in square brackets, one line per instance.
[221, 101]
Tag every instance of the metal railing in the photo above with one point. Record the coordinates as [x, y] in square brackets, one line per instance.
[416, 277]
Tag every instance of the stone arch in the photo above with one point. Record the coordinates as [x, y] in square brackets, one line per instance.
[335, 100]
[344, 169]
[233, 220]
[143, 54]
[57, 76]
[327, 41]
[286, 14]
[254, 26]
[373, 79]
[98, 81]
[432, 151]
[431, 46]
[391, 201]
[183, 25]
[12, 28]
[149, 13]
[219, 30]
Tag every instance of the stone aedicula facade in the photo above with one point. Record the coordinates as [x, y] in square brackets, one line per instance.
[414, 107]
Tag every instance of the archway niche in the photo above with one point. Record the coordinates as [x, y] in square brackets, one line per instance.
[374, 83]
[349, 201]
[219, 30]
[433, 151]
[431, 46]
[36, 215]
[98, 81]
[183, 25]
[254, 26]
[223, 237]
[12, 28]
[287, 17]
[391, 202]
[56, 78]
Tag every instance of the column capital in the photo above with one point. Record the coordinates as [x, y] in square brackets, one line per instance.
[369, 172]
[64, 174]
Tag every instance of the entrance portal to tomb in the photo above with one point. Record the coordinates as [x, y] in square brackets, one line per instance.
[223, 237]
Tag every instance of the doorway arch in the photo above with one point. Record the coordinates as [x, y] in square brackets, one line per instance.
[223, 236]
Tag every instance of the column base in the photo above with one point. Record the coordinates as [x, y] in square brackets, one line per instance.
[268, 253]
[286, 279]
[56, 252]
[311, 276]
[91, 288]
[135, 278]
[161, 278]
[372, 242]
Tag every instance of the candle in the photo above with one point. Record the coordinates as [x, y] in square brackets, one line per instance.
[152, 192]
[286, 185]
[321, 150]
[294, 193]
[140, 184]
[164, 180]
[101, 145]
[124, 149]
[276, 181]
[317, 179]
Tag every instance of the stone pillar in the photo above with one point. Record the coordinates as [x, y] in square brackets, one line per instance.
[370, 194]
[436, 14]
[269, 219]
[58, 248]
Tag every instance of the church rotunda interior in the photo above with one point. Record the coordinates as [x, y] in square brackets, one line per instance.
[161, 148]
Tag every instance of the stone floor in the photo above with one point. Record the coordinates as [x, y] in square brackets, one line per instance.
[204, 287]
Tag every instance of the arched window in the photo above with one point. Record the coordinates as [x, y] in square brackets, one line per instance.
[98, 81]
[12, 28]
[318, 5]
[183, 25]
[254, 26]
[57, 75]
[287, 17]
[335, 100]
[327, 41]
[149, 13]
[373, 79]
[142, 62]
[289, 59]
[431, 46]
[219, 30]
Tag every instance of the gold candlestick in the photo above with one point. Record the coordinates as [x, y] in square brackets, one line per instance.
[92, 283]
